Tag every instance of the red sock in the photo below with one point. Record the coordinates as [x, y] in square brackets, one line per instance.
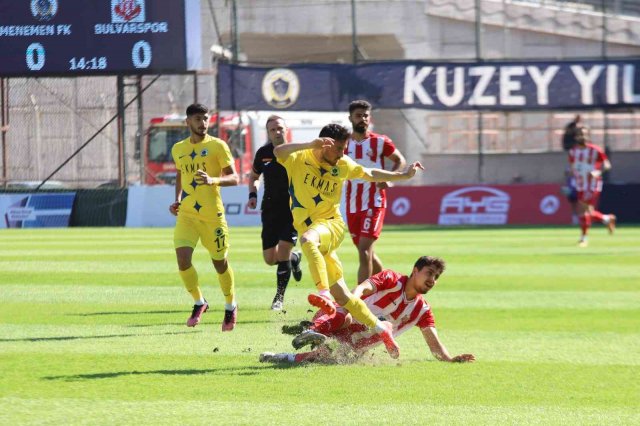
[320, 354]
[585, 223]
[596, 216]
[305, 356]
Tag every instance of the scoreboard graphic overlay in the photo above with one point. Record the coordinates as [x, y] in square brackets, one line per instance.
[80, 37]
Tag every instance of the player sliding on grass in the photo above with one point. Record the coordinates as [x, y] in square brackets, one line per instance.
[389, 295]
[317, 171]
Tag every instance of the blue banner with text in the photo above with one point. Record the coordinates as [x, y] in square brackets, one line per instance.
[41, 210]
[432, 85]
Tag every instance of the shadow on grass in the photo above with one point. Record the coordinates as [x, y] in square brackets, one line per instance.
[164, 324]
[214, 323]
[108, 336]
[174, 311]
[234, 371]
[91, 314]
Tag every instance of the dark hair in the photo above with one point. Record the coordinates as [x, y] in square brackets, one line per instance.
[335, 132]
[194, 109]
[273, 118]
[438, 264]
[359, 104]
[580, 133]
[569, 135]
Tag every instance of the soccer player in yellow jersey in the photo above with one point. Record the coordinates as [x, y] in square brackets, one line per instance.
[317, 170]
[204, 164]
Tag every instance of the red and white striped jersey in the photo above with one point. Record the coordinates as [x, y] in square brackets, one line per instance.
[583, 160]
[389, 302]
[371, 152]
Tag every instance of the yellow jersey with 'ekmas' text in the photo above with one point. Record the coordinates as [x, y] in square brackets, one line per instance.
[212, 155]
[316, 187]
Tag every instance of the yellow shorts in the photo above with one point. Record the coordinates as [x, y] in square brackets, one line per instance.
[331, 235]
[214, 235]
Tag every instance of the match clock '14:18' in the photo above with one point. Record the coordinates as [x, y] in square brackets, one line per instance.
[36, 57]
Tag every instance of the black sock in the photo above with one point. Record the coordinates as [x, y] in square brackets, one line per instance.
[284, 273]
[294, 258]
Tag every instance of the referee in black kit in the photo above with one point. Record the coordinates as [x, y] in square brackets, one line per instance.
[278, 235]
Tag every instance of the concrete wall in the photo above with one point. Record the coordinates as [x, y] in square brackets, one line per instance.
[420, 29]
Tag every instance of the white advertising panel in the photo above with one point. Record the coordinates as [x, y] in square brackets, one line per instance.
[148, 206]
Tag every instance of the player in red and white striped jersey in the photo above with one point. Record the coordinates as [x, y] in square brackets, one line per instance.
[587, 162]
[366, 202]
[390, 295]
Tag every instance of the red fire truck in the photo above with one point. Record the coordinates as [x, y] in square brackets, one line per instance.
[164, 132]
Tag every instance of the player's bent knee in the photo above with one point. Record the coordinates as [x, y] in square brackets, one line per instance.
[183, 256]
[310, 235]
[184, 265]
[270, 257]
[365, 253]
[220, 265]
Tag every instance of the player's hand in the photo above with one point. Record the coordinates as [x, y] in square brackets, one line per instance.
[173, 208]
[322, 143]
[595, 173]
[253, 203]
[413, 168]
[463, 358]
[202, 178]
[384, 185]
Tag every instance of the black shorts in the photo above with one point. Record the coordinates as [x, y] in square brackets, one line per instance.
[277, 225]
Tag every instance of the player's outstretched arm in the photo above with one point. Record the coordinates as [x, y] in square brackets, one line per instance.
[285, 150]
[438, 349]
[398, 163]
[379, 175]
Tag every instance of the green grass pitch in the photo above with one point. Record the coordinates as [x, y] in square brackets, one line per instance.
[92, 331]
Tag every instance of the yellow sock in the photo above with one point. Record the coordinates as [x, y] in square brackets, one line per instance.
[359, 310]
[227, 285]
[190, 280]
[317, 265]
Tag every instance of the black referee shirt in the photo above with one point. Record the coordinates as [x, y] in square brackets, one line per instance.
[276, 181]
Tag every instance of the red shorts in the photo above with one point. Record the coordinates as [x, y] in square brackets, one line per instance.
[589, 197]
[367, 223]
